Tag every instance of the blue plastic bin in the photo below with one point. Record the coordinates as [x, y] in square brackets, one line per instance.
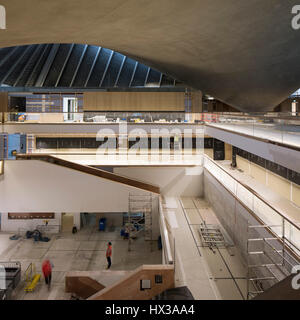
[102, 224]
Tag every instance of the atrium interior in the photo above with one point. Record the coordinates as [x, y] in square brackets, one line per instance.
[159, 166]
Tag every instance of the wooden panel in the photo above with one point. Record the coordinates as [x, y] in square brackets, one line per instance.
[228, 151]
[133, 101]
[280, 291]
[196, 101]
[82, 286]
[3, 101]
[128, 288]
[67, 222]
[31, 215]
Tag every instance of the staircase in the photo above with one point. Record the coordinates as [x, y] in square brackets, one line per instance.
[159, 277]
[121, 285]
[90, 170]
[282, 290]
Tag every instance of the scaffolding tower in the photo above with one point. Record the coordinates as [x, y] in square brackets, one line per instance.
[268, 260]
[140, 204]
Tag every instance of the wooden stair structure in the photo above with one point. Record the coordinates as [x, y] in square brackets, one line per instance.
[127, 287]
[91, 170]
[282, 290]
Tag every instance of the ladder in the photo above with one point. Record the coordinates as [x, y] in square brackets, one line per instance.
[212, 236]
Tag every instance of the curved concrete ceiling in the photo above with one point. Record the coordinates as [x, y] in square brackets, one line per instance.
[244, 53]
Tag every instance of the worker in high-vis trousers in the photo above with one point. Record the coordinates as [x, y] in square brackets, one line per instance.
[108, 255]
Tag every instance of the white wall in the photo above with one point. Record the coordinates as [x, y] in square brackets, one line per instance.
[173, 181]
[36, 186]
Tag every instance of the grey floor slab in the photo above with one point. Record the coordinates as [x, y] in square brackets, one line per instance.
[187, 203]
[228, 289]
[217, 266]
[65, 244]
[193, 216]
[32, 253]
[84, 251]
[79, 265]
[234, 262]
[88, 245]
[196, 234]
[201, 203]
[62, 254]
[224, 266]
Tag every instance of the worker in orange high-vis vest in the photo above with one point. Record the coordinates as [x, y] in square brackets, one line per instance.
[108, 255]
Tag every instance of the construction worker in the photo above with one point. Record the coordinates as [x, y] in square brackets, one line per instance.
[108, 255]
[47, 271]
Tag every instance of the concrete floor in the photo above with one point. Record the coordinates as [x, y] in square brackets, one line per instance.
[225, 265]
[74, 252]
[219, 274]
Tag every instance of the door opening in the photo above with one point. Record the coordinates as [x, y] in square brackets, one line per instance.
[70, 107]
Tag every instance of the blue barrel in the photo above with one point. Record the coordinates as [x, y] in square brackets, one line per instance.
[102, 224]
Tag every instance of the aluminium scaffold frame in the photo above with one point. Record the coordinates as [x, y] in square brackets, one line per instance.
[140, 203]
[278, 270]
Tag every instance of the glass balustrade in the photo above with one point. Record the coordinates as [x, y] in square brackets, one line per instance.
[286, 230]
[282, 128]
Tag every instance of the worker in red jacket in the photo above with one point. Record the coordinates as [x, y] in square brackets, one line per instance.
[108, 255]
[47, 271]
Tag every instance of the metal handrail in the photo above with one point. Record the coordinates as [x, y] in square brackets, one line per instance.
[165, 236]
[254, 193]
[168, 115]
[281, 239]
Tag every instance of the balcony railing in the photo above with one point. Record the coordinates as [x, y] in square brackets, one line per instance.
[150, 117]
[287, 230]
[102, 117]
[283, 128]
